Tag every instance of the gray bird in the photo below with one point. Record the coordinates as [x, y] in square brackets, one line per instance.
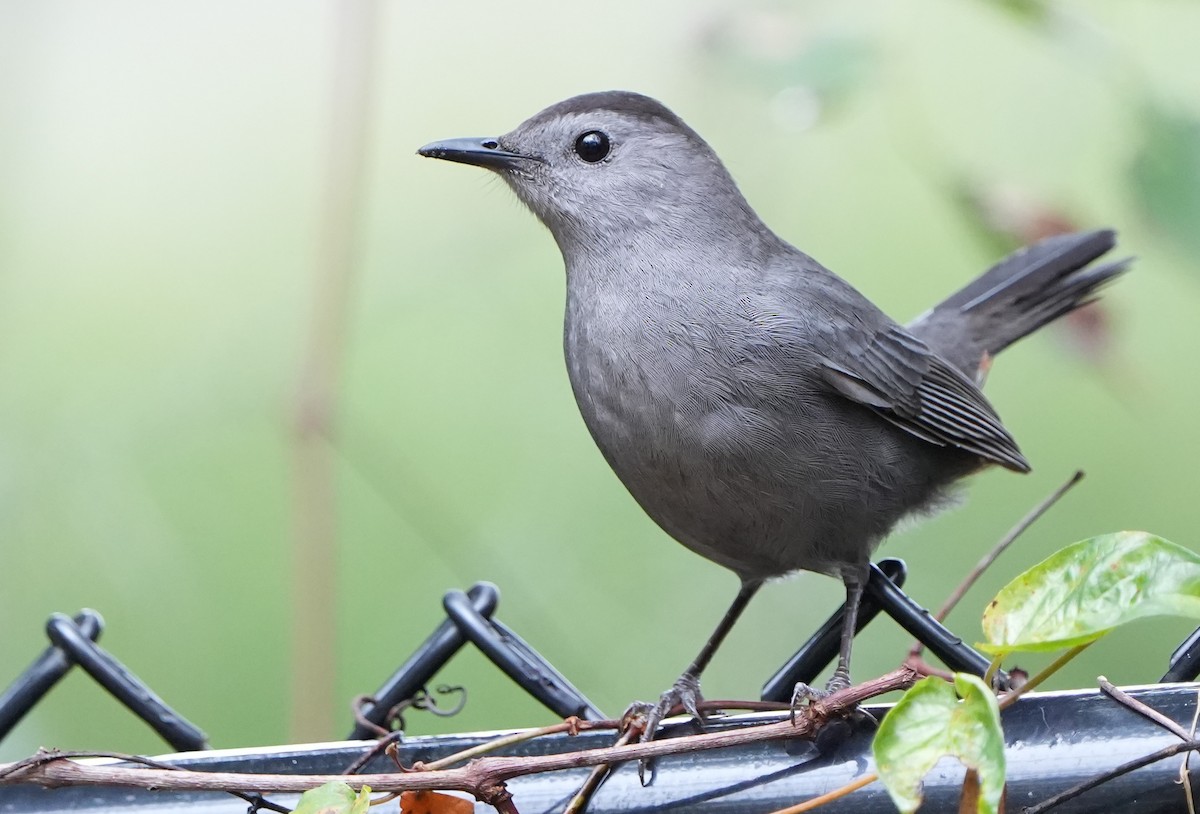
[761, 410]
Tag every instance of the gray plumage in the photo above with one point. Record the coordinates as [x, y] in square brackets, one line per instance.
[760, 409]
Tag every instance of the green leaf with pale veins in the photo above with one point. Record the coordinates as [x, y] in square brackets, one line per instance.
[929, 723]
[334, 798]
[1089, 588]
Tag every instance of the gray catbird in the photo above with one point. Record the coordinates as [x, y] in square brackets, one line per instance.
[761, 410]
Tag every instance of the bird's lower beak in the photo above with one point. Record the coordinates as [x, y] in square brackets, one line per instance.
[482, 152]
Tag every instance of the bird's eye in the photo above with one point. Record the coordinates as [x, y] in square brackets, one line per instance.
[592, 146]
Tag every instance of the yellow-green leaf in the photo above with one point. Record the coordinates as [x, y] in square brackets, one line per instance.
[334, 798]
[1087, 589]
[929, 723]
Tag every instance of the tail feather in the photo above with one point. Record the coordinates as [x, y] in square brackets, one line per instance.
[1021, 293]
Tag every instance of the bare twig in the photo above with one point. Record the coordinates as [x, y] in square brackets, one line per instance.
[1008, 539]
[571, 726]
[479, 775]
[1125, 699]
[378, 748]
[1124, 768]
[999, 548]
[828, 797]
[584, 795]
[918, 664]
[575, 725]
[360, 703]
[45, 756]
[1185, 777]
[483, 777]
[504, 803]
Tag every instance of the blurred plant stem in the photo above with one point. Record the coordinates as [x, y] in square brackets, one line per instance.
[315, 520]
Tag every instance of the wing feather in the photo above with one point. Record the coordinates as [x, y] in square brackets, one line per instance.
[898, 377]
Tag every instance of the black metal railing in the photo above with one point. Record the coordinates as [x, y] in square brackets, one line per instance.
[470, 619]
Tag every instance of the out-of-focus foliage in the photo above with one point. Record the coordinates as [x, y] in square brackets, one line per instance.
[162, 170]
[1166, 177]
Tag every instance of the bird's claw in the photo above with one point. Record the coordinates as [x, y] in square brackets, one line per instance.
[804, 693]
[685, 692]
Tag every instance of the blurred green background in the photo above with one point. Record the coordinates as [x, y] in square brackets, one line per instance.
[163, 198]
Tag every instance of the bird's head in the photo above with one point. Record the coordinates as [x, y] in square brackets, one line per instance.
[609, 166]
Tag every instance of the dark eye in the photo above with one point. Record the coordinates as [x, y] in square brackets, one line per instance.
[592, 146]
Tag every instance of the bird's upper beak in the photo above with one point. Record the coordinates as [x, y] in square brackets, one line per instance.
[482, 152]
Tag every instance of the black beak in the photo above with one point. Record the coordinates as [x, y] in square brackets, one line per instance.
[482, 152]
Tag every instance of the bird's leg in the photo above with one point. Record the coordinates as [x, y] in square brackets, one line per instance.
[686, 690]
[853, 577]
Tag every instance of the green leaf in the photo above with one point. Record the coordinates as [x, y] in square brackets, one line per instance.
[1165, 176]
[334, 798]
[1087, 589]
[930, 723]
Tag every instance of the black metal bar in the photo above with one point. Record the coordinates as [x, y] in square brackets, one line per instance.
[822, 647]
[953, 652]
[1055, 740]
[519, 661]
[124, 685]
[1185, 661]
[423, 664]
[47, 669]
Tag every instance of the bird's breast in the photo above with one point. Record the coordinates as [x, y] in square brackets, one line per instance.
[707, 423]
[649, 374]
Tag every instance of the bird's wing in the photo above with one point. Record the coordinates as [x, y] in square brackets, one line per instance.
[897, 376]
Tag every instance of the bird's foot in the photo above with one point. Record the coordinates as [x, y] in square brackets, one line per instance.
[803, 693]
[685, 692]
[834, 731]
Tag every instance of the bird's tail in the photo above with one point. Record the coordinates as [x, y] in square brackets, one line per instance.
[1018, 295]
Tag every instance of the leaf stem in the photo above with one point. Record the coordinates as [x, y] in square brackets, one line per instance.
[990, 676]
[1054, 666]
